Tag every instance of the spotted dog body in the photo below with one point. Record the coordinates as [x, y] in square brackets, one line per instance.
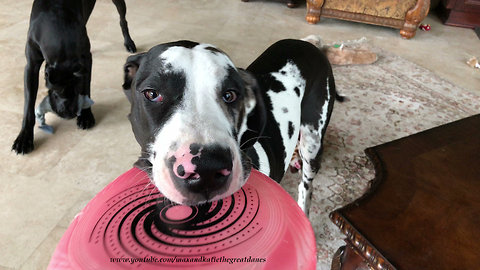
[299, 92]
[202, 123]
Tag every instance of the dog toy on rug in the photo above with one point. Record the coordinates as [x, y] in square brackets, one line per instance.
[84, 102]
[345, 53]
[131, 225]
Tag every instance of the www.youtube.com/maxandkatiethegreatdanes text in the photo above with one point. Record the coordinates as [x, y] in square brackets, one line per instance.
[201, 259]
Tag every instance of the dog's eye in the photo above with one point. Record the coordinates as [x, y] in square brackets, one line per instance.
[229, 96]
[153, 95]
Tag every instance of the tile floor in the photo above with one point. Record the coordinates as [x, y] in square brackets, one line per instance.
[41, 192]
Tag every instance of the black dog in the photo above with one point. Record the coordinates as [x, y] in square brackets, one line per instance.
[202, 123]
[58, 36]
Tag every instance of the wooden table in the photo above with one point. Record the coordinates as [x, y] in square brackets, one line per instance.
[423, 208]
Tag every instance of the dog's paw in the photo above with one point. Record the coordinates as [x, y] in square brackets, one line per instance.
[86, 119]
[24, 143]
[130, 46]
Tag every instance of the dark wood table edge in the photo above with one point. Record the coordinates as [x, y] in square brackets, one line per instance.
[358, 249]
[357, 245]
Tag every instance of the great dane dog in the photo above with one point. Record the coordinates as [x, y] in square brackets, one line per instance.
[202, 123]
[58, 36]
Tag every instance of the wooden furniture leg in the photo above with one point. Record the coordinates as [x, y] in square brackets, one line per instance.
[314, 9]
[347, 259]
[414, 17]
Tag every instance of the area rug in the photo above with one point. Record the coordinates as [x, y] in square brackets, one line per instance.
[387, 100]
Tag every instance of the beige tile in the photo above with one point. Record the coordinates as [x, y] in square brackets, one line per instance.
[103, 154]
[49, 148]
[34, 207]
[12, 92]
[70, 214]
[40, 258]
[13, 34]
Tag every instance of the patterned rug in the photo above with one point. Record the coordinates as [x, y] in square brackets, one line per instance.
[387, 100]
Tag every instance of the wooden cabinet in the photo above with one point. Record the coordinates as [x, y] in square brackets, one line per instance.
[464, 13]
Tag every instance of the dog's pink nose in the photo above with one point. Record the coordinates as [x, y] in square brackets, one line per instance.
[201, 168]
[183, 166]
[184, 169]
[188, 172]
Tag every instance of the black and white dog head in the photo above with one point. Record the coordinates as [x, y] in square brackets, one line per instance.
[63, 81]
[189, 111]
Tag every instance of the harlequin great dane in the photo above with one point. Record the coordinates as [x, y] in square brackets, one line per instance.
[202, 123]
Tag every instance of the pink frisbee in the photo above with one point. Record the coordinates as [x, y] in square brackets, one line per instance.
[131, 225]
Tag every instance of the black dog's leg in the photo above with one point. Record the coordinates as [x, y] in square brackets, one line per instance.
[86, 120]
[122, 10]
[88, 6]
[24, 142]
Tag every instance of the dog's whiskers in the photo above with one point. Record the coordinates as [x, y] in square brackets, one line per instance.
[254, 138]
[150, 183]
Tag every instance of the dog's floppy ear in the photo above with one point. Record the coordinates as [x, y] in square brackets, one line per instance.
[257, 116]
[130, 69]
[51, 74]
[79, 70]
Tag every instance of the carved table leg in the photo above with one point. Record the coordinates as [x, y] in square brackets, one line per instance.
[337, 259]
[414, 17]
[347, 259]
[314, 8]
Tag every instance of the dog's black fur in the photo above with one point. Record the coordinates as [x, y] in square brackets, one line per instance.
[58, 36]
